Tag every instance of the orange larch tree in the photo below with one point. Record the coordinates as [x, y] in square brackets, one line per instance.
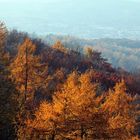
[74, 112]
[25, 69]
[121, 112]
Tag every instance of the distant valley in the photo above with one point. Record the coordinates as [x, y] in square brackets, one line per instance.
[124, 53]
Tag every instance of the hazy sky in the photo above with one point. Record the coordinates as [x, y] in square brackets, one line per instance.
[67, 16]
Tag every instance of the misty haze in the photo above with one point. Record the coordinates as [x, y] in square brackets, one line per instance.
[82, 18]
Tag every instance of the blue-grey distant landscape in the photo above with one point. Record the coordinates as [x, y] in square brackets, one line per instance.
[82, 18]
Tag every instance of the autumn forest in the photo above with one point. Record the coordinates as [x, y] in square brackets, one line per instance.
[59, 93]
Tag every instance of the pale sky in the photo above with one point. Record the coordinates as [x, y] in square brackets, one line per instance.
[69, 15]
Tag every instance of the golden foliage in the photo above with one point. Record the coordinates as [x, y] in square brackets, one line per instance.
[59, 46]
[25, 68]
[121, 111]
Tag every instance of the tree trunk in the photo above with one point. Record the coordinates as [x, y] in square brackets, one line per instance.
[26, 73]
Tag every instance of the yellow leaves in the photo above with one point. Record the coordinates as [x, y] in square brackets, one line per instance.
[72, 103]
[26, 67]
[45, 111]
[88, 51]
[120, 87]
[134, 138]
[27, 46]
[117, 121]
[78, 105]
[121, 111]
[72, 80]
[118, 99]
[59, 46]
[58, 104]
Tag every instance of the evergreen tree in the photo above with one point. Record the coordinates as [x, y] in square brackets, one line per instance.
[9, 104]
[25, 69]
[121, 112]
[73, 113]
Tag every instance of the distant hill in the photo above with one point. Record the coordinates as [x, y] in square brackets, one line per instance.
[124, 53]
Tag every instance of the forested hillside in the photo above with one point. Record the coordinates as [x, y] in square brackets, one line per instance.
[124, 53]
[55, 92]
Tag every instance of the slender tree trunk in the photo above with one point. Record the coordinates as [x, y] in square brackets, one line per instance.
[83, 133]
[26, 73]
[53, 137]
